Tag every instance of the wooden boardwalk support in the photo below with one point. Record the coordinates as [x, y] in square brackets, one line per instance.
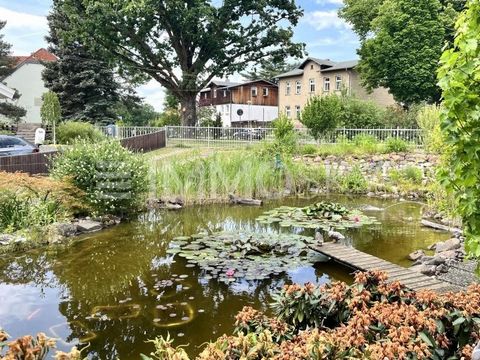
[359, 260]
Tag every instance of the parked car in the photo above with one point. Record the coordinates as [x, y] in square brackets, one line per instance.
[248, 134]
[14, 145]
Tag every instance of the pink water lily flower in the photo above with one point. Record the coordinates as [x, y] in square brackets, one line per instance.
[230, 272]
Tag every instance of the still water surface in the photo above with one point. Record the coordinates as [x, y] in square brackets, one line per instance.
[124, 273]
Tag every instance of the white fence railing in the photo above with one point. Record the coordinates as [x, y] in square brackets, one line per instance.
[217, 136]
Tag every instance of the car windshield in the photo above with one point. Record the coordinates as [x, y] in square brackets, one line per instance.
[11, 142]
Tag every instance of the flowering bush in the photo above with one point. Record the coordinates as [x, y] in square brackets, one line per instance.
[113, 178]
[371, 319]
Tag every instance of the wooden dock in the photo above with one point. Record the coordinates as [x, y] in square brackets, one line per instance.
[359, 260]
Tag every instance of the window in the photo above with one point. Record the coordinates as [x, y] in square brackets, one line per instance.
[326, 84]
[298, 111]
[227, 109]
[214, 93]
[312, 85]
[265, 91]
[205, 95]
[311, 67]
[224, 93]
[288, 88]
[298, 87]
[338, 82]
[288, 113]
[254, 91]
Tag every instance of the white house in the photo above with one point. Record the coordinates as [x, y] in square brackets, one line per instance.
[27, 80]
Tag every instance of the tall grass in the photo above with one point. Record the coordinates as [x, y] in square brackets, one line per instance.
[242, 173]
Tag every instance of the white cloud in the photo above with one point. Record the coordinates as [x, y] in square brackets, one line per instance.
[20, 20]
[153, 93]
[322, 20]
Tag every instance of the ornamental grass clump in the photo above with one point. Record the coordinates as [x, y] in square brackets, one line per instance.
[27, 201]
[114, 179]
[370, 319]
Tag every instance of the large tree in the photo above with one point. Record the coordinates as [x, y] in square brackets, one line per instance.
[7, 65]
[84, 82]
[185, 44]
[401, 43]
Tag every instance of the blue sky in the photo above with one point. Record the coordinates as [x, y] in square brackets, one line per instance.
[324, 33]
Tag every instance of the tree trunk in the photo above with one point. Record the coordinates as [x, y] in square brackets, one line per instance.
[189, 109]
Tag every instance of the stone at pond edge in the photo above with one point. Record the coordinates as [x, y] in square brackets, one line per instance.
[66, 229]
[86, 226]
[451, 244]
[429, 270]
[414, 256]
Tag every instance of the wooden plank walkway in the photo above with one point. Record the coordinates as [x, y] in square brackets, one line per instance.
[359, 260]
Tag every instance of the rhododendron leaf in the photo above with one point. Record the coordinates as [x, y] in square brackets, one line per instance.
[426, 338]
[459, 321]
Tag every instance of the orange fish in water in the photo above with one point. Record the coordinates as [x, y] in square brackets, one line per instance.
[33, 314]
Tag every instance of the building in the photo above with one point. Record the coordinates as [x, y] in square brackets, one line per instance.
[27, 80]
[253, 103]
[320, 77]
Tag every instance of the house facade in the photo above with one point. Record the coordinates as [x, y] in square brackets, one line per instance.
[27, 80]
[253, 103]
[321, 77]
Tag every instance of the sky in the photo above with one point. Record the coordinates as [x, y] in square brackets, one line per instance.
[325, 35]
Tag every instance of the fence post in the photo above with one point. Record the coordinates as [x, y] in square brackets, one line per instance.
[208, 135]
[165, 130]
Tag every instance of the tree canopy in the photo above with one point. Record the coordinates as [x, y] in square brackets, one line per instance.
[401, 43]
[185, 44]
[269, 70]
[459, 78]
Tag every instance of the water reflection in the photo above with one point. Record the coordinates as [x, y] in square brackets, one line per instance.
[119, 288]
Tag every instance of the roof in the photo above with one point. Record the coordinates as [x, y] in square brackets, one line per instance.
[342, 65]
[229, 84]
[36, 57]
[328, 64]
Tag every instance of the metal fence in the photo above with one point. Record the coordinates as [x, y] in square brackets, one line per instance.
[216, 136]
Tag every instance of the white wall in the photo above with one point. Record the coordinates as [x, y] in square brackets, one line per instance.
[250, 113]
[27, 79]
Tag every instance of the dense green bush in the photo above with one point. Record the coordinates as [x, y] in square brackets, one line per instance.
[71, 131]
[308, 149]
[354, 182]
[360, 114]
[428, 119]
[410, 173]
[322, 114]
[394, 144]
[113, 178]
[398, 117]
[285, 135]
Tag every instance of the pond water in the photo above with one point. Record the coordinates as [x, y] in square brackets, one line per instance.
[119, 288]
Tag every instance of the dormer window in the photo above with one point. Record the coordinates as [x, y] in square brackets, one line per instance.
[311, 67]
[254, 91]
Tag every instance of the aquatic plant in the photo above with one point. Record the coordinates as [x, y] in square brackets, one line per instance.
[322, 215]
[164, 350]
[251, 256]
[370, 319]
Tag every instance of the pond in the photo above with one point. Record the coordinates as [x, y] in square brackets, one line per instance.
[119, 288]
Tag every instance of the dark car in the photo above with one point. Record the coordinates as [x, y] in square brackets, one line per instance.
[248, 134]
[14, 145]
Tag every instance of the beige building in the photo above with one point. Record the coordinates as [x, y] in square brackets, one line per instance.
[318, 77]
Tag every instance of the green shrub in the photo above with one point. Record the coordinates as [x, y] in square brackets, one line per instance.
[322, 114]
[354, 182]
[285, 136]
[428, 119]
[396, 145]
[360, 114]
[412, 174]
[24, 210]
[113, 178]
[308, 149]
[71, 131]
[397, 117]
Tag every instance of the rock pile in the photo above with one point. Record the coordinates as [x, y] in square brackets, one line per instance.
[446, 254]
